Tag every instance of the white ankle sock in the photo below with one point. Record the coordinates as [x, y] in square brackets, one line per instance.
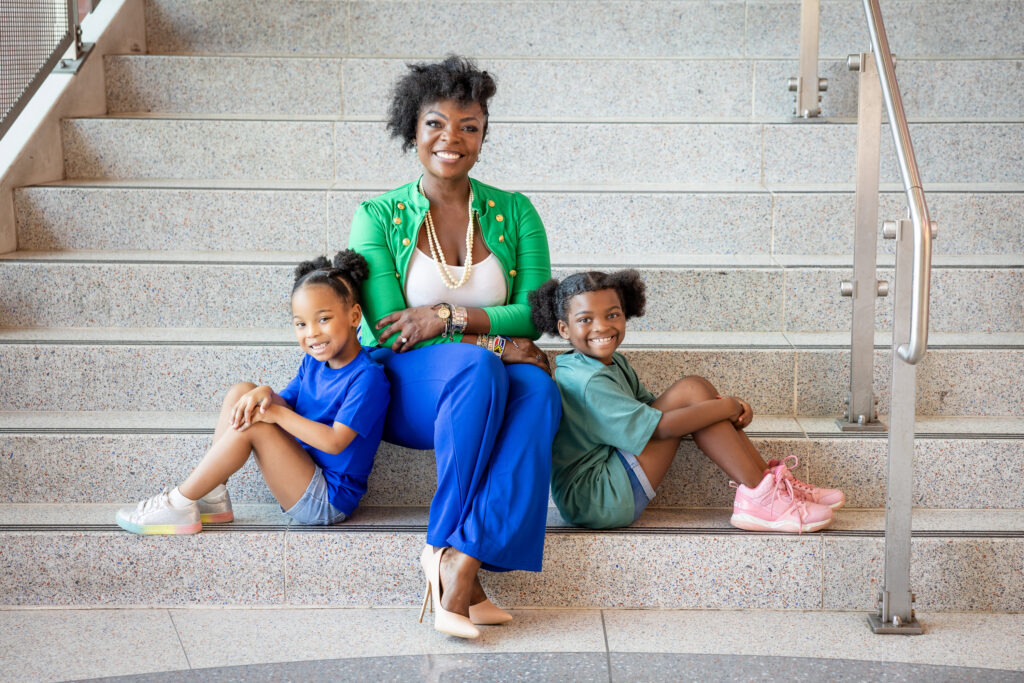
[218, 490]
[178, 500]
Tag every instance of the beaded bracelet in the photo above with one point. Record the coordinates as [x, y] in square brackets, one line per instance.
[493, 343]
[459, 319]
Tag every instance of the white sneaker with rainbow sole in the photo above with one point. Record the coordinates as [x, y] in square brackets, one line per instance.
[157, 516]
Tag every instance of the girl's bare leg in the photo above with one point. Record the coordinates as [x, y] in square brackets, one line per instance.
[726, 446]
[286, 467]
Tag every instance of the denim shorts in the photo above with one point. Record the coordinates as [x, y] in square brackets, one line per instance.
[315, 505]
[643, 492]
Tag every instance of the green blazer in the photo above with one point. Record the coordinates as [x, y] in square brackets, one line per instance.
[385, 229]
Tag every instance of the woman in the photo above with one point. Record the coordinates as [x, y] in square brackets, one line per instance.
[451, 264]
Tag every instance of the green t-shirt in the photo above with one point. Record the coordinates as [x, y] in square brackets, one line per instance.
[604, 408]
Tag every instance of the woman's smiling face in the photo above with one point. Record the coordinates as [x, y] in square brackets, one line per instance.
[448, 138]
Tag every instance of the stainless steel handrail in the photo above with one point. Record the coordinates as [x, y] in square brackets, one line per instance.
[914, 350]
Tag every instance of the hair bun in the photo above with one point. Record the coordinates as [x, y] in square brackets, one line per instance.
[307, 267]
[353, 265]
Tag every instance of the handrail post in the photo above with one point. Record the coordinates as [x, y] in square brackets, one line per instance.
[895, 610]
[81, 50]
[807, 85]
[909, 344]
[861, 413]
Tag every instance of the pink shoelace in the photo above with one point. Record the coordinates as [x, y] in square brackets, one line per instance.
[785, 467]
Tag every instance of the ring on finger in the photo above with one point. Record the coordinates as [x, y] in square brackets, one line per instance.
[405, 340]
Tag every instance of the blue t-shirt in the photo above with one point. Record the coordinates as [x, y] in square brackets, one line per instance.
[357, 396]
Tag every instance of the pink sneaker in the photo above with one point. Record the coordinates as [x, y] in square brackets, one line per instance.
[834, 498]
[775, 506]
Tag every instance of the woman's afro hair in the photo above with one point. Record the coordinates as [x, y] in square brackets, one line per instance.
[345, 274]
[550, 302]
[456, 78]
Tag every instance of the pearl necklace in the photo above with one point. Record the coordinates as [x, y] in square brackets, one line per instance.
[438, 255]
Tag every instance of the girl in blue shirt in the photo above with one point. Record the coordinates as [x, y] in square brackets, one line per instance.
[314, 441]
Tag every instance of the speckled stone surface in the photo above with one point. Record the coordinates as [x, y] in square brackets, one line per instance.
[713, 299]
[136, 377]
[591, 225]
[118, 568]
[962, 300]
[549, 28]
[168, 148]
[401, 476]
[723, 28]
[948, 473]
[931, 88]
[661, 570]
[223, 85]
[946, 153]
[926, 521]
[303, 27]
[539, 88]
[773, 28]
[961, 639]
[160, 295]
[948, 574]
[59, 218]
[636, 153]
[364, 570]
[90, 643]
[949, 382]
[763, 378]
[956, 382]
[969, 222]
[255, 295]
[86, 468]
[224, 638]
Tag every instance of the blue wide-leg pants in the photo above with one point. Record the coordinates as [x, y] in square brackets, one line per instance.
[491, 426]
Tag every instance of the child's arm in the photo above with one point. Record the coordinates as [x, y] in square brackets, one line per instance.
[682, 421]
[333, 439]
[263, 405]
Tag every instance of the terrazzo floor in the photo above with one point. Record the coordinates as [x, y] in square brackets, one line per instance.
[228, 644]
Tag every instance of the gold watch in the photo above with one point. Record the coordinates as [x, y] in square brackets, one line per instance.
[444, 312]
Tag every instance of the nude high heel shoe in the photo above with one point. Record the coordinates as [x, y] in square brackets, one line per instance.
[487, 613]
[444, 621]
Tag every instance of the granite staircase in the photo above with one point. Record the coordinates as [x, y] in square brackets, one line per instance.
[652, 134]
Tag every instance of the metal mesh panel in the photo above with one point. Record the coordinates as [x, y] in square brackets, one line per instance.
[33, 35]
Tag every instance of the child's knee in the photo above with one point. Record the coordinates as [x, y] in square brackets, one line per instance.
[690, 390]
[237, 391]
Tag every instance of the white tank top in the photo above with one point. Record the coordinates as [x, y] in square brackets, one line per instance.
[485, 287]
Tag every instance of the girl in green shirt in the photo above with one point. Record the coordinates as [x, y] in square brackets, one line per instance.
[617, 440]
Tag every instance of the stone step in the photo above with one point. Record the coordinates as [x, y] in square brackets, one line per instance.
[663, 88]
[793, 374]
[563, 28]
[93, 457]
[963, 560]
[161, 217]
[681, 153]
[133, 289]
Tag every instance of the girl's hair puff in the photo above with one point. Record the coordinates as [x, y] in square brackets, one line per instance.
[549, 303]
[455, 78]
[345, 274]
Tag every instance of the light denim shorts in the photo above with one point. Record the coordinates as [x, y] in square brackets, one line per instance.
[315, 505]
[643, 492]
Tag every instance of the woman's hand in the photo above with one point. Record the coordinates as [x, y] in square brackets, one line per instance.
[523, 350]
[413, 325]
[742, 420]
[251, 408]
